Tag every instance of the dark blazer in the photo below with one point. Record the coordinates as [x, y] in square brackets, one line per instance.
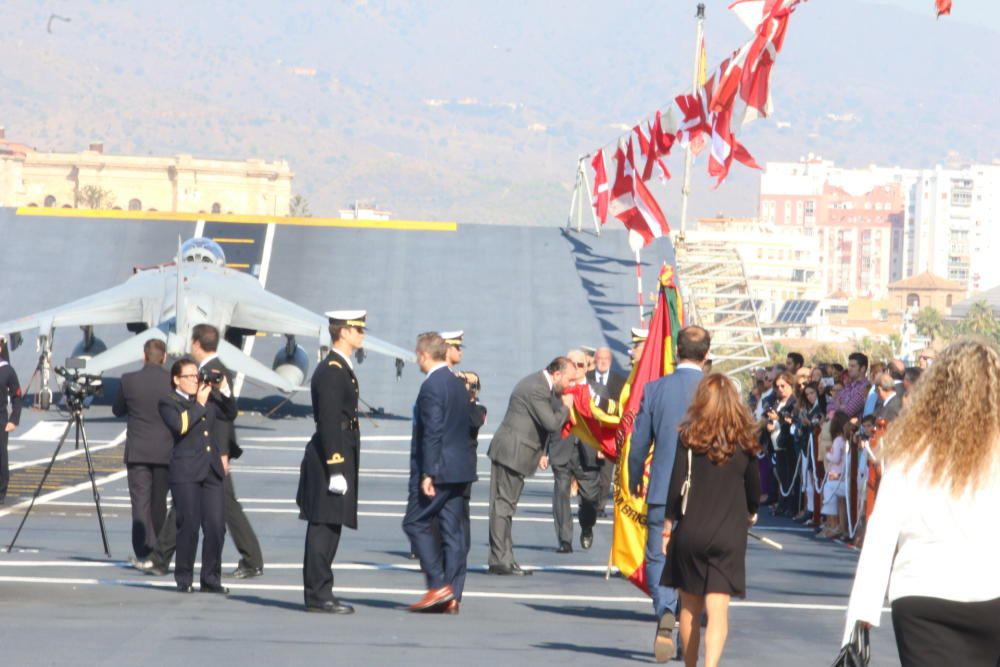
[224, 432]
[147, 438]
[194, 455]
[531, 416]
[10, 388]
[890, 410]
[334, 448]
[613, 388]
[441, 447]
[664, 404]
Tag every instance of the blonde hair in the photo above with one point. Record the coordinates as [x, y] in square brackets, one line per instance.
[952, 418]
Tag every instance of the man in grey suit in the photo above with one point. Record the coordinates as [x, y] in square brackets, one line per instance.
[664, 404]
[148, 444]
[518, 449]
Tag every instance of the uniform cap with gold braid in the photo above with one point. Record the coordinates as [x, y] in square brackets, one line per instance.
[453, 337]
[347, 318]
[588, 350]
[639, 334]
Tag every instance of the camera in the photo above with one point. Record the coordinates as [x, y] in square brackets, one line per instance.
[77, 385]
[211, 376]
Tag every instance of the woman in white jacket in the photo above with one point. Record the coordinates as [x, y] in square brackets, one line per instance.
[932, 539]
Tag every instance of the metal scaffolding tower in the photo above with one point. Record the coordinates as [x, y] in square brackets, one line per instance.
[716, 296]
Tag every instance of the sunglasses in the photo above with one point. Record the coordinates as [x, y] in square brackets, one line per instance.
[580, 365]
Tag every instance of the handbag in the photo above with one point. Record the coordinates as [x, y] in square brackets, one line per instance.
[686, 488]
[857, 651]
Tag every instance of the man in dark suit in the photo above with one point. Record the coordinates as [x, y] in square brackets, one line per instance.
[148, 444]
[569, 459]
[328, 479]
[518, 449]
[10, 389]
[664, 404]
[889, 402]
[607, 385]
[196, 473]
[442, 466]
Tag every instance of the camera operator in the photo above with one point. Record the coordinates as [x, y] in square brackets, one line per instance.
[10, 389]
[780, 418]
[196, 474]
[148, 444]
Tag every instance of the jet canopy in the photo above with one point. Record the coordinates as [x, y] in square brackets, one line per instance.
[203, 251]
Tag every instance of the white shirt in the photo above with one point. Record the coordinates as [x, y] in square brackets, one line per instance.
[436, 367]
[341, 355]
[692, 366]
[923, 541]
[548, 378]
[206, 360]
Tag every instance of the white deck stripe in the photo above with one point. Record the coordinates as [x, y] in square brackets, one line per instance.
[364, 438]
[70, 454]
[265, 265]
[293, 588]
[48, 498]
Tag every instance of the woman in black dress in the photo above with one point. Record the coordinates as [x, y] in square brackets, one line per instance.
[706, 548]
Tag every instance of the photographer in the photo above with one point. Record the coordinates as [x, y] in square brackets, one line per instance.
[810, 415]
[780, 418]
[196, 474]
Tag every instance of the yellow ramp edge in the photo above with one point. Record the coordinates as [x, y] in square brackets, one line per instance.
[405, 225]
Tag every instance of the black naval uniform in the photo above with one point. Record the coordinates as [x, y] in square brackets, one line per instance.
[196, 475]
[333, 450]
[10, 389]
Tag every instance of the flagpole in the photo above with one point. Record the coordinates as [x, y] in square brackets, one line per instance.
[638, 280]
[576, 197]
[686, 188]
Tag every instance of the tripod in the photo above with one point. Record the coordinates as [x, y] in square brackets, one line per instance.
[75, 420]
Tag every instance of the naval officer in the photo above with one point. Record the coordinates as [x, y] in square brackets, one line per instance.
[328, 478]
[196, 473]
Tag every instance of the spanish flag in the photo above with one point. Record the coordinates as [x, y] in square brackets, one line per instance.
[658, 356]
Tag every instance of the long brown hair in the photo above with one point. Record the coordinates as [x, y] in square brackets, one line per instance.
[952, 418]
[718, 422]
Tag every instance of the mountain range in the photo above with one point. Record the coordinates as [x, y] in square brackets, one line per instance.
[474, 111]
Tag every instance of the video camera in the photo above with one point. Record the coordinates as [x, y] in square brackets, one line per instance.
[77, 385]
[212, 376]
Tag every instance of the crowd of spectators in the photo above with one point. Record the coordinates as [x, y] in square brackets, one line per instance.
[819, 434]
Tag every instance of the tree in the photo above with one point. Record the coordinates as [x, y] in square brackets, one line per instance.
[298, 207]
[94, 196]
[930, 323]
[980, 321]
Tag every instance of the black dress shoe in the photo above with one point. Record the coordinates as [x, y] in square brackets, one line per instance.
[219, 590]
[564, 548]
[244, 572]
[511, 571]
[334, 607]
[587, 538]
[185, 588]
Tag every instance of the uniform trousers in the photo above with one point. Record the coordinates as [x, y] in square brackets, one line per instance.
[443, 553]
[4, 459]
[147, 488]
[506, 486]
[933, 632]
[199, 506]
[322, 540]
[664, 597]
[236, 523]
[589, 498]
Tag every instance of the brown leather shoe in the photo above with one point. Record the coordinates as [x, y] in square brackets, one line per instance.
[434, 598]
[451, 608]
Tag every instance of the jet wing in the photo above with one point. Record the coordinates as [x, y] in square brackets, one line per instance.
[126, 352]
[116, 305]
[257, 309]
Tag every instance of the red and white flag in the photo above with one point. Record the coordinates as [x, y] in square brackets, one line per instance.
[694, 126]
[601, 194]
[633, 203]
[726, 148]
[943, 7]
[649, 148]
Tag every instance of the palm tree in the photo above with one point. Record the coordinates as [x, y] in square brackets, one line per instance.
[929, 323]
[981, 321]
[298, 207]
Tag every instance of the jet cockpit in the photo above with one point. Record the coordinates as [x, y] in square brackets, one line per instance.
[203, 251]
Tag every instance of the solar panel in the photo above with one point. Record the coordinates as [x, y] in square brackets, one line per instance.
[796, 311]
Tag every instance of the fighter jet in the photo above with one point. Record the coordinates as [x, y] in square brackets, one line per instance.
[168, 300]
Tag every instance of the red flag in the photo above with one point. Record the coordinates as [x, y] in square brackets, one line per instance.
[600, 196]
[768, 19]
[648, 146]
[694, 126]
[943, 7]
[725, 148]
[659, 147]
[633, 203]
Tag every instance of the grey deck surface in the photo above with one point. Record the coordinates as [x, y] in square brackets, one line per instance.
[523, 296]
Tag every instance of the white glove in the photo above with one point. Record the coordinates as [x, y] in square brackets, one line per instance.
[338, 484]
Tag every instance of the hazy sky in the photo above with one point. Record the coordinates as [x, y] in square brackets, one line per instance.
[977, 12]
